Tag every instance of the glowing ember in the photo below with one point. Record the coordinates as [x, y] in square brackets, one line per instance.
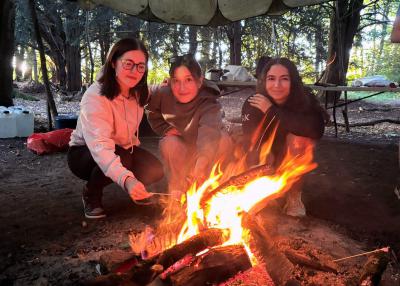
[225, 208]
[222, 200]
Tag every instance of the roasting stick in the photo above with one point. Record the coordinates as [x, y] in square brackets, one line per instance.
[161, 194]
[150, 203]
[384, 249]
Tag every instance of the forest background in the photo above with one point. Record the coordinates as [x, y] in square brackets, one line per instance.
[355, 33]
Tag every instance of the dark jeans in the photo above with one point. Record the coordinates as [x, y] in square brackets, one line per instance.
[144, 165]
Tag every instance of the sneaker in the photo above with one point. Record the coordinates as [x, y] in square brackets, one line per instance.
[294, 206]
[92, 208]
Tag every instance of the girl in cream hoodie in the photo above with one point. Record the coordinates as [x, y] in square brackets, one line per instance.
[104, 145]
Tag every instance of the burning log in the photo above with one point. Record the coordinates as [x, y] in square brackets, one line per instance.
[193, 245]
[177, 266]
[215, 266]
[239, 181]
[146, 271]
[278, 266]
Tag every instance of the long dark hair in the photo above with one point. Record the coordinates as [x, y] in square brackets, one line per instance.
[188, 61]
[109, 84]
[298, 97]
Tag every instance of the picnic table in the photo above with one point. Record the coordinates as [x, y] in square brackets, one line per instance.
[340, 89]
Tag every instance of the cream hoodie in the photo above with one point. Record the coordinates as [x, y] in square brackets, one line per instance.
[104, 123]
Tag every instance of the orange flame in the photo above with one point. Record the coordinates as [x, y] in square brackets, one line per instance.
[225, 208]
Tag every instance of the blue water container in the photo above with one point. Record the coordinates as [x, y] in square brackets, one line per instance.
[67, 120]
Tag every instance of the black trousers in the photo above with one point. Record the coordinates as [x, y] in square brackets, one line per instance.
[144, 165]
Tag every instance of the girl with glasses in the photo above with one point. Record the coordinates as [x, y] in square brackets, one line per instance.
[104, 145]
[187, 115]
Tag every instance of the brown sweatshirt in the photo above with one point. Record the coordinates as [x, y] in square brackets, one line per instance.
[198, 121]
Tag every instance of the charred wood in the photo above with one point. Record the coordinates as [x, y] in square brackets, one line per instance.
[215, 266]
[262, 245]
[193, 245]
[239, 181]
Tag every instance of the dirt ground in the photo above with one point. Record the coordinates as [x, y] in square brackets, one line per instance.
[45, 239]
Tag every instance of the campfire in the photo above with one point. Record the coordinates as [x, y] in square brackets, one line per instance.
[217, 235]
[214, 232]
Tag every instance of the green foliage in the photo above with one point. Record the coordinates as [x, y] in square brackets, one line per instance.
[158, 72]
[372, 53]
[380, 98]
[301, 35]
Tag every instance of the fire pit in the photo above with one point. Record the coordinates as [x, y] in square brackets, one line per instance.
[226, 230]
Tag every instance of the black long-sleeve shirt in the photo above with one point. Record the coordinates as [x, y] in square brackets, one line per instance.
[307, 122]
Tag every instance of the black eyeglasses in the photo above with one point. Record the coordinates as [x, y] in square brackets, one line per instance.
[175, 59]
[129, 65]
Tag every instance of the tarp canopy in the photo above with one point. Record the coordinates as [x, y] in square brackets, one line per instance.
[200, 12]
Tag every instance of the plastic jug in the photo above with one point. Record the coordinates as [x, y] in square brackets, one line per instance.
[8, 124]
[25, 122]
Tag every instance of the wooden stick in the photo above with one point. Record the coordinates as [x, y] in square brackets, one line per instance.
[160, 194]
[383, 249]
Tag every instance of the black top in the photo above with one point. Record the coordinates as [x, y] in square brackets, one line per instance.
[307, 121]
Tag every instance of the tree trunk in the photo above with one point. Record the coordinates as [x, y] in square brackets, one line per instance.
[205, 48]
[319, 49]
[235, 43]
[219, 33]
[73, 59]
[89, 70]
[61, 74]
[52, 32]
[7, 22]
[105, 39]
[175, 39]
[383, 35]
[52, 110]
[34, 66]
[19, 59]
[193, 40]
[343, 27]
[214, 51]
[133, 26]
[72, 49]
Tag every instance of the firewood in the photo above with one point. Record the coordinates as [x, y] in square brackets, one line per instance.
[239, 181]
[177, 266]
[303, 260]
[193, 245]
[215, 266]
[262, 245]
